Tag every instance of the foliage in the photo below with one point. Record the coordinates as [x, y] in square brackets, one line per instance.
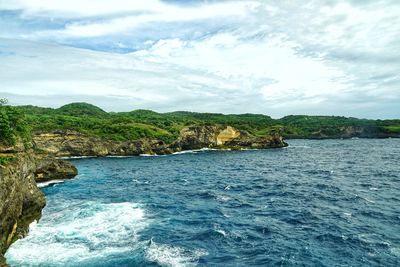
[392, 129]
[81, 109]
[13, 125]
[5, 160]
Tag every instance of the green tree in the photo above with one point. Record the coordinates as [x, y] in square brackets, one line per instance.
[13, 125]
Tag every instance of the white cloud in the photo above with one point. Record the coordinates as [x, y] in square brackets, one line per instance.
[165, 15]
[320, 57]
[271, 65]
[80, 8]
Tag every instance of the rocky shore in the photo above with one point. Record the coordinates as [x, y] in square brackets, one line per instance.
[21, 202]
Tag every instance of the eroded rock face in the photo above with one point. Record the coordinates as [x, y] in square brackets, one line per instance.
[51, 169]
[70, 143]
[195, 137]
[21, 202]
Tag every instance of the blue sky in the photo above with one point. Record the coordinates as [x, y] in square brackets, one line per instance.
[270, 57]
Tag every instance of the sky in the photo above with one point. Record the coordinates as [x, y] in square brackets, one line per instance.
[267, 57]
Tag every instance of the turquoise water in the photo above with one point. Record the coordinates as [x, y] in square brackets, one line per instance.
[315, 203]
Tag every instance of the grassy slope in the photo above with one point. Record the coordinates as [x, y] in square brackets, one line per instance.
[136, 124]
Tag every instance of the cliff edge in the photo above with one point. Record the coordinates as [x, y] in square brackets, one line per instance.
[21, 202]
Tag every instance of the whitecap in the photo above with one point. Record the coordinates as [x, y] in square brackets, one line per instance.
[218, 229]
[167, 255]
[223, 198]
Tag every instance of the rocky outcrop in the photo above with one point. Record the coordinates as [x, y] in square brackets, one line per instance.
[21, 202]
[195, 137]
[344, 132]
[70, 143]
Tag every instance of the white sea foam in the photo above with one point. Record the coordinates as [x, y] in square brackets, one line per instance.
[167, 255]
[116, 156]
[77, 157]
[222, 198]
[44, 184]
[78, 233]
[186, 152]
[218, 229]
[204, 149]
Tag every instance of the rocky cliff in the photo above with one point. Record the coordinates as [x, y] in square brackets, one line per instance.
[195, 137]
[21, 202]
[70, 143]
[344, 132]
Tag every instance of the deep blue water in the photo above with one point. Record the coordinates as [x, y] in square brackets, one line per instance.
[315, 203]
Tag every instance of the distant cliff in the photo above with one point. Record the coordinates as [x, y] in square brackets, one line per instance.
[72, 143]
[344, 132]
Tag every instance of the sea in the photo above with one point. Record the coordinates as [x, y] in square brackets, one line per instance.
[314, 203]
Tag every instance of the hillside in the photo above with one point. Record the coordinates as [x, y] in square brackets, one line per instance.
[123, 126]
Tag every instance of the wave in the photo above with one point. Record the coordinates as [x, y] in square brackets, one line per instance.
[52, 182]
[204, 149]
[80, 233]
[297, 146]
[167, 255]
[76, 157]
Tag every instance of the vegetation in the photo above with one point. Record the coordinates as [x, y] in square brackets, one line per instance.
[13, 125]
[333, 126]
[122, 126]
[4, 160]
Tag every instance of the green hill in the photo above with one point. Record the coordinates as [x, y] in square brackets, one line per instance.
[81, 109]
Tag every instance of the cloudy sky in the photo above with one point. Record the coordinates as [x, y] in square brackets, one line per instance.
[272, 57]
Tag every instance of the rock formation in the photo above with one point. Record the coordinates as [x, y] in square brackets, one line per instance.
[195, 137]
[21, 202]
[71, 143]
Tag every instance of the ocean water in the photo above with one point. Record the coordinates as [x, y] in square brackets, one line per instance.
[315, 203]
